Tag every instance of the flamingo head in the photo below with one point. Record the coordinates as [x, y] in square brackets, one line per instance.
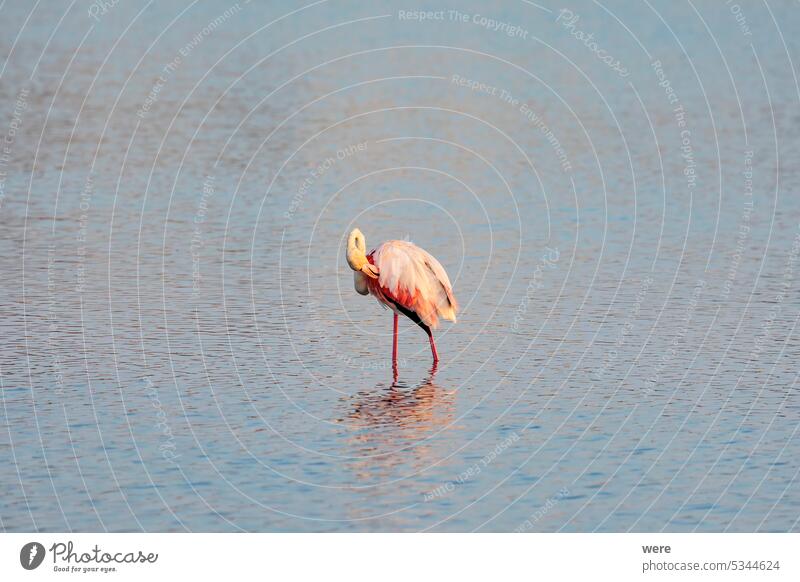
[357, 255]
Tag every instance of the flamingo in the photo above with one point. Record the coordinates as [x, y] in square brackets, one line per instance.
[406, 279]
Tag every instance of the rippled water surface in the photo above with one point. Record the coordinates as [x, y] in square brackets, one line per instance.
[181, 347]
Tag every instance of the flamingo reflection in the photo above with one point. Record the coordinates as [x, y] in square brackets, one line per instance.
[396, 425]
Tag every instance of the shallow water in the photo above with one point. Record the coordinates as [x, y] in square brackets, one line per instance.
[181, 347]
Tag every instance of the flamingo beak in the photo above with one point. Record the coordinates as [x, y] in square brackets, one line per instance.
[370, 270]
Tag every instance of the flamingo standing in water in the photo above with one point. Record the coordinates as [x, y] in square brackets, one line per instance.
[406, 279]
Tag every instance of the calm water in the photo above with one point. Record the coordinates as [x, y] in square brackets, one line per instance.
[181, 347]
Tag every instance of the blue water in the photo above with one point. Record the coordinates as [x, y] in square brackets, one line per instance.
[181, 347]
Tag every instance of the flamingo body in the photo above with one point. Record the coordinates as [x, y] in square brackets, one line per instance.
[412, 279]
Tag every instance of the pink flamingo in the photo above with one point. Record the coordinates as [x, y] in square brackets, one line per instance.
[406, 279]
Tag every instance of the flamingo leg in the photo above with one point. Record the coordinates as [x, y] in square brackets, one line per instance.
[394, 341]
[433, 347]
[416, 319]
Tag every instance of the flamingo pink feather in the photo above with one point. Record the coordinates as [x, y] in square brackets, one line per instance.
[413, 278]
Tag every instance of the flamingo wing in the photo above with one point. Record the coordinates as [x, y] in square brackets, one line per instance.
[412, 277]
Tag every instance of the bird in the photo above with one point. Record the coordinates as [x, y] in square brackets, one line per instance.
[405, 278]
